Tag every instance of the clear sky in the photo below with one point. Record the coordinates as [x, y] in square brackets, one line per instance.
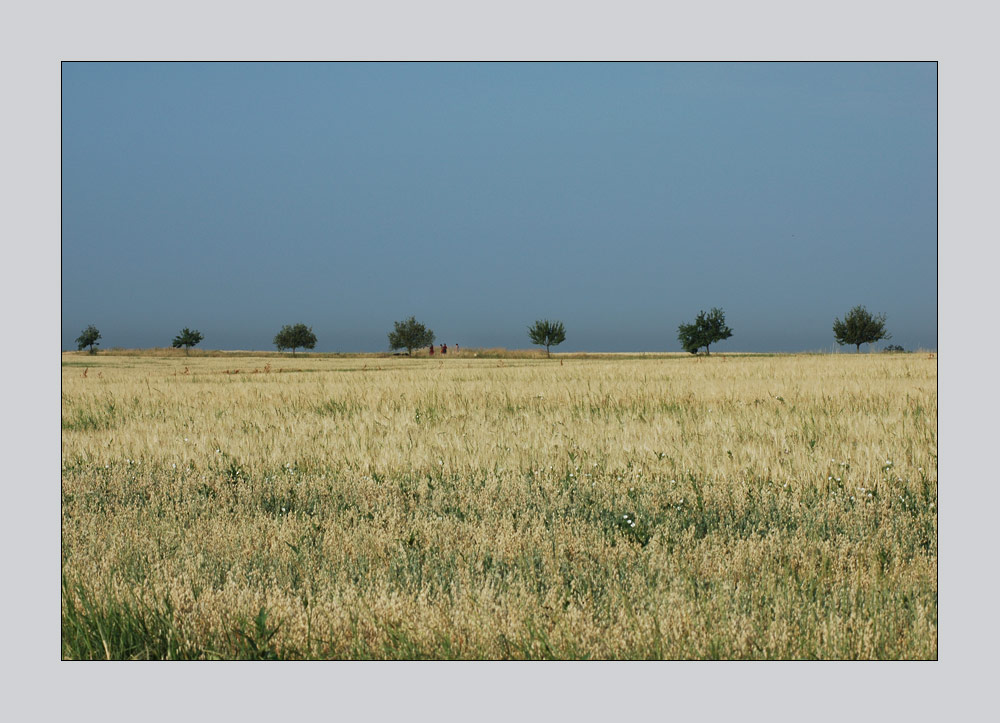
[620, 198]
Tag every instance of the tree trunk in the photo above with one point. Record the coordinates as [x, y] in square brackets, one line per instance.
[547, 354]
[708, 350]
[857, 348]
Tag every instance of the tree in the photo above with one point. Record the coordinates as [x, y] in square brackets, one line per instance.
[187, 339]
[410, 335]
[705, 331]
[89, 338]
[860, 327]
[547, 333]
[293, 337]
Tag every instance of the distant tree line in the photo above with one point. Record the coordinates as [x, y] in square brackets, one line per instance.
[858, 327]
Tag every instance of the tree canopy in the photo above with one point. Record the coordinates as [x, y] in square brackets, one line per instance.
[293, 337]
[547, 333]
[187, 339]
[705, 331]
[88, 337]
[860, 327]
[410, 334]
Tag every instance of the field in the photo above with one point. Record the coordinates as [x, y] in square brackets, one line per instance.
[603, 507]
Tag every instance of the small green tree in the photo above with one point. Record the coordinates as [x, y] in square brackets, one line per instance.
[547, 333]
[860, 327]
[187, 339]
[705, 331]
[89, 338]
[410, 334]
[293, 337]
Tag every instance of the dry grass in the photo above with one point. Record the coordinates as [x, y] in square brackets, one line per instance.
[667, 506]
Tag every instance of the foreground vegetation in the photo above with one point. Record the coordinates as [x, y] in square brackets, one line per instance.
[647, 507]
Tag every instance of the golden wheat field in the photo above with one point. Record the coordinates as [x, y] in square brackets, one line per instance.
[605, 507]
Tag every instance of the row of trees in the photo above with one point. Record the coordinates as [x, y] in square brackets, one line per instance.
[187, 339]
[858, 327]
[410, 334]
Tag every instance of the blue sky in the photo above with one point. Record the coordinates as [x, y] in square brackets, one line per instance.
[619, 198]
